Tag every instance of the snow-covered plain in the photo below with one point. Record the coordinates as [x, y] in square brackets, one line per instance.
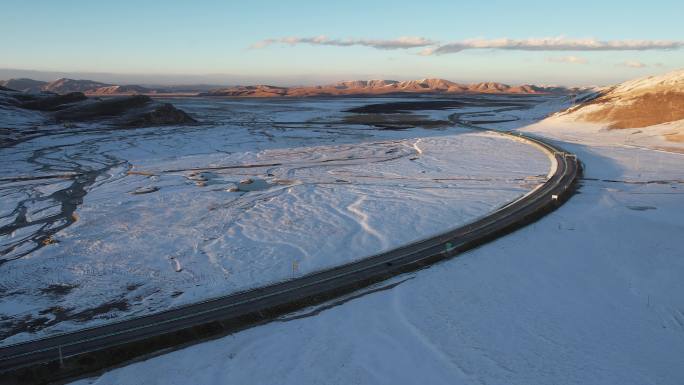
[590, 294]
[268, 190]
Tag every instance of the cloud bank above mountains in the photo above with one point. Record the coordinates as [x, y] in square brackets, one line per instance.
[433, 47]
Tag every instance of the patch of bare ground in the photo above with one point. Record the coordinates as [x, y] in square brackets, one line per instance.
[58, 289]
[56, 314]
[670, 149]
[676, 137]
[646, 110]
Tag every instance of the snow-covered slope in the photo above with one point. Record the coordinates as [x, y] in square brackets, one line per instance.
[668, 82]
[24, 84]
[64, 85]
[637, 103]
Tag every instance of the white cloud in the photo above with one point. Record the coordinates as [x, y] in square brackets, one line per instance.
[556, 44]
[432, 47]
[567, 59]
[633, 64]
[262, 43]
[399, 43]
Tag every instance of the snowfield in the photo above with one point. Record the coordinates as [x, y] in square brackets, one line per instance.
[266, 192]
[590, 294]
[666, 137]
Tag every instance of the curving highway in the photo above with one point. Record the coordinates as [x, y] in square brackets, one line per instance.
[71, 354]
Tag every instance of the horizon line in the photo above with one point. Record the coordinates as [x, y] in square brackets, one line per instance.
[291, 80]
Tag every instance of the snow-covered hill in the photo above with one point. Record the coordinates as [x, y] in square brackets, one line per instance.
[65, 85]
[638, 103]
[23, 84]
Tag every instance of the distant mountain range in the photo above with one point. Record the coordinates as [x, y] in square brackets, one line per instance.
[383, 87]
[64, 85]
[90, 87]
[344, 88]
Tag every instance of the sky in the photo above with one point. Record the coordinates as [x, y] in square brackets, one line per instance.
[308, 42]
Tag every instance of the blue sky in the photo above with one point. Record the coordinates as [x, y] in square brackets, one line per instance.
[211, 40]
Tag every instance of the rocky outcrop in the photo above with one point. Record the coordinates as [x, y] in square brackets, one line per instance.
[39, 102]
[156, 115]
[122, 111]
[98, 108]
[125, 111]
[48, 102]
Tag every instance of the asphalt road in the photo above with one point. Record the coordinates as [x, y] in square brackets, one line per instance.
[22, 358]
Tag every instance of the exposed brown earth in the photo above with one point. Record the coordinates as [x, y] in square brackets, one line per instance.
[675, 137]
[646, 110]
[671, 149]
